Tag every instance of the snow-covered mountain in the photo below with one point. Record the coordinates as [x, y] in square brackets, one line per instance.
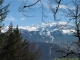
[46, 35]
[47, 32]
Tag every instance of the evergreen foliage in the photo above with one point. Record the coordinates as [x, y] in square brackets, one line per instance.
[15, 48]
[12, 46]
[3, 13]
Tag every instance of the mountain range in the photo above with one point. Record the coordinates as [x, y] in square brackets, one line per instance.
[47, 35]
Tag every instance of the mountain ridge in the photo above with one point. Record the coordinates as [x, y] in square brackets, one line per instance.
[46, 36]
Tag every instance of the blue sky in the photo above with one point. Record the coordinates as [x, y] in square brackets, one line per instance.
[17, 18]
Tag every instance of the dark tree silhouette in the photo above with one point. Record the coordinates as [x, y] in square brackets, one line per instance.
[15, 48]
[12, 45]
[3, 12]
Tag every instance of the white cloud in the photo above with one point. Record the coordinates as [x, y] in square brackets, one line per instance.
[63, 7]
[62, 23]
[22, 18]
[11, 19]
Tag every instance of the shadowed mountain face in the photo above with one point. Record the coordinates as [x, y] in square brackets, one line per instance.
[48, 32]
[47, 51]
[47, 36]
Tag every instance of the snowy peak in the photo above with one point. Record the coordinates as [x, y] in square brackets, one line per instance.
[48, 32]
[48, 26]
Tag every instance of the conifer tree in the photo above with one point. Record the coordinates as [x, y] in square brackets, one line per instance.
[3, 13]
[18, 43]
[15, 48]
[26, 50]
[9, 52]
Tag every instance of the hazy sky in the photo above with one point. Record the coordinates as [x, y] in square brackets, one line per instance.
[17, 18]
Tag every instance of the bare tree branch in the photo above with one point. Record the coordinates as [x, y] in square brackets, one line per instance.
[55, 10]
[26, 6]
[73, 15]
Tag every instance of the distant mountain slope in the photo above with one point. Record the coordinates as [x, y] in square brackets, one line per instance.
[47, 32]
[47, 35]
